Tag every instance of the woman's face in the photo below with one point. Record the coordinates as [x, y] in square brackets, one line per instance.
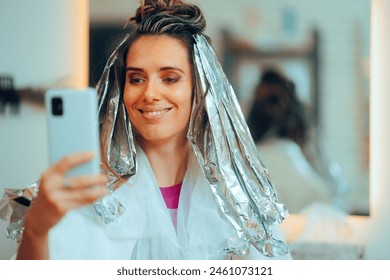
[158, 88]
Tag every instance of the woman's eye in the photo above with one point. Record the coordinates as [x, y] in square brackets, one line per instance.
[136, 80]
[171, 80]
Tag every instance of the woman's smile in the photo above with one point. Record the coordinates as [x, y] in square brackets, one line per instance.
[154, 114]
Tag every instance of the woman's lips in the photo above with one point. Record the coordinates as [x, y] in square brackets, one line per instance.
[154, 114]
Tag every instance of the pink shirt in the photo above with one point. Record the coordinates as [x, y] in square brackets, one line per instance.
[171, 197]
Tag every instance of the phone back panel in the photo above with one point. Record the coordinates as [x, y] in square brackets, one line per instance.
[75, 129]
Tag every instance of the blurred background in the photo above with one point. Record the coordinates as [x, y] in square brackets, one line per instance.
[320, 49]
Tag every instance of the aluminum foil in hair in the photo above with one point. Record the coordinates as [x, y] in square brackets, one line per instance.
[222, 144]
[116, 137]
[117, 146]
[13, 208]
[229, 158]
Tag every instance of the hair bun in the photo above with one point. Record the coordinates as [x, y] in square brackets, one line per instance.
[168, 16]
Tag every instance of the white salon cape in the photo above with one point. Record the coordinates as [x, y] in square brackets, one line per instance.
[145, 230]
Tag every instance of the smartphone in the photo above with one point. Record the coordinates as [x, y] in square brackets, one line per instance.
[73, 126]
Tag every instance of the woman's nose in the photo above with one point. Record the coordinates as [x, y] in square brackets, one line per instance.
[151, 92]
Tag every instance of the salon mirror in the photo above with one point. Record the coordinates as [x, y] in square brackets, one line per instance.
[323, 47]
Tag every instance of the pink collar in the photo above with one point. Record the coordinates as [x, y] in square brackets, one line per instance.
[171, 195]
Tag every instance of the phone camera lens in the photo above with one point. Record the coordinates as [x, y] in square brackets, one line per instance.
[57, 106]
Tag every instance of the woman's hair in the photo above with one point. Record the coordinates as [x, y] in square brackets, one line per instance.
[168, 17]
[277, 110]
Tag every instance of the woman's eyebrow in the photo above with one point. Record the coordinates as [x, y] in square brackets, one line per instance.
[135, 69]
[165, 68]
[171, 68]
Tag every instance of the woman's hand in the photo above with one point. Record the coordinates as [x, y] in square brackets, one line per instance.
[57, 194]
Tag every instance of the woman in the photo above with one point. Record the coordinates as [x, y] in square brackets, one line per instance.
[176, 152]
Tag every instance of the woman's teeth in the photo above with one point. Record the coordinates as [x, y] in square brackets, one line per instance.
[155, 113]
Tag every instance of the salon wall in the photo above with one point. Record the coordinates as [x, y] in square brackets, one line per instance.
[43, 44]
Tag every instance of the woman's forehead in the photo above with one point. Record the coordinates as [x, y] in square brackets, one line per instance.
[158, 49]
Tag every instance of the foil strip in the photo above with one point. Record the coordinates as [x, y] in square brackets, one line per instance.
[229, 158]
[116, 136]
[13, 208]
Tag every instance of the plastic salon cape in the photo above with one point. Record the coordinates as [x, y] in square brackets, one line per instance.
[145, 230]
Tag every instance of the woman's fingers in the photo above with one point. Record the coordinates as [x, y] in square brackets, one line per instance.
[56, 189]
[84, 190]
[84, 196]
[58, 194]
[81, 182]
[54, 200]
[54, 177]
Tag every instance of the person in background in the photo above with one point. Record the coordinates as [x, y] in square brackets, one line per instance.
[280, 128]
